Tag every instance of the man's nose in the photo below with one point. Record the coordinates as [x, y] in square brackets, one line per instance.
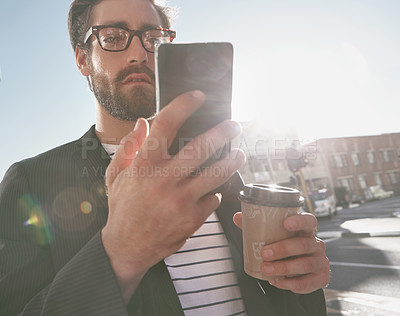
[136, 52]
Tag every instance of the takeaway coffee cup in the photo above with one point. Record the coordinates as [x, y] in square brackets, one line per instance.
[264, 209]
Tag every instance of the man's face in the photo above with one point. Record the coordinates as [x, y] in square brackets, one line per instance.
[123, 82]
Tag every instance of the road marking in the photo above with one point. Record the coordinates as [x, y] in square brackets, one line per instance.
[372, 225]
[364, 265]
[356, 247]
[376, 301]
[342, 313]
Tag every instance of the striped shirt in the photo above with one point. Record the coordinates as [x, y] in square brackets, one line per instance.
[203, 274]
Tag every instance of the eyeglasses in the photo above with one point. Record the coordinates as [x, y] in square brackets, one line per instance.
[117, 39]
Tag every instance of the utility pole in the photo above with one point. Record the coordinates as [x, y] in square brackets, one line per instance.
[305, 191]
[295, 162]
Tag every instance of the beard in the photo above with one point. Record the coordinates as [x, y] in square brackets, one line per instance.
[139, 101]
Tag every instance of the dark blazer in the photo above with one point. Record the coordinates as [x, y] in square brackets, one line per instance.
[52, 261]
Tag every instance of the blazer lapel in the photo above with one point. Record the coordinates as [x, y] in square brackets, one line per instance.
[77, 206]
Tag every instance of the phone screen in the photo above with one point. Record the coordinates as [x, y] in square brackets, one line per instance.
[196, 66]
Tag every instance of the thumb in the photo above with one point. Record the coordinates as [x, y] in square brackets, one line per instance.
[127, 150]
[237, 219]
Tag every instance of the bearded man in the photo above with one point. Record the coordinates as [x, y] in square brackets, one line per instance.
[155, 242]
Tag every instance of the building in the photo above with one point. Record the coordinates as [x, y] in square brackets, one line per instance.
[356, 163]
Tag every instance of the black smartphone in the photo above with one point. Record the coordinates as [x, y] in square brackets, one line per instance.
[196, 66]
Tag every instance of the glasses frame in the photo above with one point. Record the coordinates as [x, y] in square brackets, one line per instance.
[95, 30]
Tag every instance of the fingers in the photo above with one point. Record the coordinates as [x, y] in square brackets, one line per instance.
[208, 204]
[294, 267]
[127, 150]
[217, 174]
[292, 247]
[304, 284]
[167, 123]
[304, 223]
[304, 264]
[199, 149]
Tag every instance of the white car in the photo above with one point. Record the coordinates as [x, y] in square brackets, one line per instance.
[378, 193]
[324, 203]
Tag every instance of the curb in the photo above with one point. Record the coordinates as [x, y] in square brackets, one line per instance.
[345, 234]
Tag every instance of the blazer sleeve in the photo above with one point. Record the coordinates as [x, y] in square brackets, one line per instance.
[29, 284]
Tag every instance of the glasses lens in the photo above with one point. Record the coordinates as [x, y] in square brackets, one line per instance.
[152, 38]
[113, 38]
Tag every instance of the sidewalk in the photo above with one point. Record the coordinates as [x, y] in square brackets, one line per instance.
[367, 227]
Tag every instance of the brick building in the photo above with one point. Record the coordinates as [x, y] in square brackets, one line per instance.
[356, 163]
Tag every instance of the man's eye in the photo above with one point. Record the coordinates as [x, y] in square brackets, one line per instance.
[112, 39]
[158, 40]
[153, 40]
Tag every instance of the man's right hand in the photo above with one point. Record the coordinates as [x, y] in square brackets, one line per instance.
[155, 201]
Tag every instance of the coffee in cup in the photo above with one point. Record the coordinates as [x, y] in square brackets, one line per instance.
[264, 208]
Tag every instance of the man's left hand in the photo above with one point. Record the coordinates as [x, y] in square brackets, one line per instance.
[302, 259]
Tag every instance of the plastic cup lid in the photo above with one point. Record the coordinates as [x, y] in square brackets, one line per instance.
[271, 195]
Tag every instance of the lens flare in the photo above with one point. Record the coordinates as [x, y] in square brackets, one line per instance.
[86, 207]
[36, 224]
[33, 220]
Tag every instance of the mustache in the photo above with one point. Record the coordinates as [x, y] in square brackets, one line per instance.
[135, 69]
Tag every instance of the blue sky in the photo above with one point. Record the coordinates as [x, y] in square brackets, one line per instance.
[324, 68]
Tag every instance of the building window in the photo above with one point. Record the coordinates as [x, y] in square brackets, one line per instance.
[398, 154]
[386, 155]
[378, 179]
[347, 183]
[393, 177]
[362, 181]
[371, 157]
[340, 161]
[356, 160]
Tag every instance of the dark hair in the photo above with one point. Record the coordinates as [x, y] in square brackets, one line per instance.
[79, 15]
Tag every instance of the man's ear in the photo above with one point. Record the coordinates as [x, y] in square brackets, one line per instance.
[81, 61]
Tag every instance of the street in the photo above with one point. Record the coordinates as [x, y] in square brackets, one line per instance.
[364, 251]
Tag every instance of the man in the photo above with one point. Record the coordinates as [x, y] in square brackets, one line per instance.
[69, 248]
